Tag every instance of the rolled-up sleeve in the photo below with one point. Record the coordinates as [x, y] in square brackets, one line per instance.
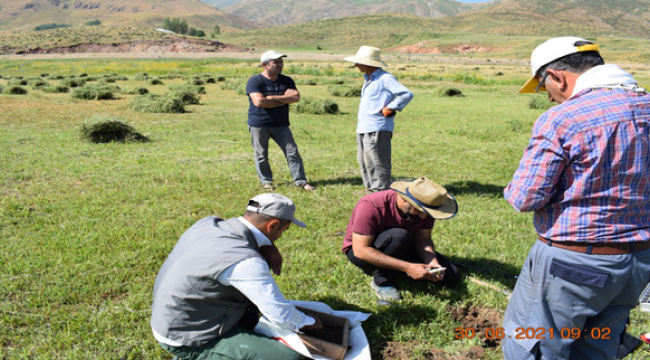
[402, 95]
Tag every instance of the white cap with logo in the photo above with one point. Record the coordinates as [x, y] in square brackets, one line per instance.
[270, 55]
[277, 206]
[552, 50]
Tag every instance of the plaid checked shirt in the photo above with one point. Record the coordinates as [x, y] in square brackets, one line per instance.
[586, 170]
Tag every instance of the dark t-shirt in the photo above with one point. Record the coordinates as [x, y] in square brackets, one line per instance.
[272, 117]
[376, 213]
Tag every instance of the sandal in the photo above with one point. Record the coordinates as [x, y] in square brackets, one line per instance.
[269, 187]
[308, 187]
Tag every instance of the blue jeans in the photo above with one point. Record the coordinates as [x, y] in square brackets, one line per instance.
[559, 291]
[284, 138]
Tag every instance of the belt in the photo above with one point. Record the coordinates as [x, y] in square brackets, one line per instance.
[598, 248]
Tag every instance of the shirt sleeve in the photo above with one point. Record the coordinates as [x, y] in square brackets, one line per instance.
[402, 95]
[365, 218]
[534, 183]
[253, 86]
[253, 279]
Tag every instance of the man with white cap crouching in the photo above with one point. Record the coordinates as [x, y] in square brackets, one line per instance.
[210, 290]
[586, 175]
[381, 97]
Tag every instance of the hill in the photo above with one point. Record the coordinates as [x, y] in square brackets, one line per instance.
[149, 14]
[281, 12]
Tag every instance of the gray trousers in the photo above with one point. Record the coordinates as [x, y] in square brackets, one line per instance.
[284, 138]
[373, 155]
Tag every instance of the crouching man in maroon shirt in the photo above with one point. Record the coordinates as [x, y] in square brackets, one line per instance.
[390, 232]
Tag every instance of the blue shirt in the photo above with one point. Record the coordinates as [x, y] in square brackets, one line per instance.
[379, 90]
[271, 117]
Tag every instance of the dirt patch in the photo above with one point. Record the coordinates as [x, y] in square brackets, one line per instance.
[167, 45]
[424, 48]
[329, 333]
[403, 351]
[478, 319]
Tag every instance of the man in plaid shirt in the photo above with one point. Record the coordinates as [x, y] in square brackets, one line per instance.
[586, 175]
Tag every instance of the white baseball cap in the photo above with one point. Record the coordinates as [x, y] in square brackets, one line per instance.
[277, 206]
[271, 55]
[552, 50]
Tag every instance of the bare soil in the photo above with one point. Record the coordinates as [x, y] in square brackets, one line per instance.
[479, 319]
[147, 46]
[329, 333]
[402, 351]
[423, 48]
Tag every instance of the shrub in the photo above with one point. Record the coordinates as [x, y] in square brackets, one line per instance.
[318, 107]
[73, 83]
[55, 89]
[344, 90]
[195, 81]
[158, 104]
[540, 102]
[189, 89]
[51, 26]
[104, 130]
[93, 93]
[137, 90]
[14, 90]
[93, 23]
[154, 82]
[450, 92]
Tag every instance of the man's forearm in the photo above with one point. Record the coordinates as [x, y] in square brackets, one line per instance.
[284, 99]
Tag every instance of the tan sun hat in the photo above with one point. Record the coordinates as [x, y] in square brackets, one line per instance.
[551, 50]
[427, 197]
[367, 55]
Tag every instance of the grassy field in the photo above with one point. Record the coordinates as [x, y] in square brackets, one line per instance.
[86, 226]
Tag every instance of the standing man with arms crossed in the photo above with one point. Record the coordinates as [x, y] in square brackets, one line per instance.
[209, 291]
[269, 96]
[586, 175]
[381, 97]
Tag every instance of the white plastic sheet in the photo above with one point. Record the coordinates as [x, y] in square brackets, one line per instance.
[358, 343]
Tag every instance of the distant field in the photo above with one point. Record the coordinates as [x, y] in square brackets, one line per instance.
[86, 226]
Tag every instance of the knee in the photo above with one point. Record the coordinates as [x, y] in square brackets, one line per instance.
[393, 241]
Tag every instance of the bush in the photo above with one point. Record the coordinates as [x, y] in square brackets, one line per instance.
[93, 93]
[450, 92]
[318, 107]
[158, 104]
[14, 90]
[344, 91]
[51, 26]
[195, 81]
[154, 82]
[73, 83]
[187, 89]
[55, 89]
[540, 102]
[93, 23]
[104, 130]
[137, 90]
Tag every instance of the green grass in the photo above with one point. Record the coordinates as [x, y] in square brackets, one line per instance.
[86, 227]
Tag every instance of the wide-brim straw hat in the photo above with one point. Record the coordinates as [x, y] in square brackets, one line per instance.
[427, 197]
[367, 55]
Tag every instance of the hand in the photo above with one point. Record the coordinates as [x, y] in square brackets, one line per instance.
[418, 271]
[316, 326]
[437, 277]
[387, 112]
[273, 257]
[291, 92]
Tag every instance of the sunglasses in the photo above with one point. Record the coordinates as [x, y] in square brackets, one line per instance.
[541, 83]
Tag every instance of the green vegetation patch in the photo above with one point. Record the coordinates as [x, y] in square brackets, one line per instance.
[187, 89]
[540, 102]
[55, 89]
[317, 107]
[344, 90]
[101, 129]
[51, 26]
[155, 82]
[136, 90]
[94, 93]
[14, 90]
[158, 104]
[73, 83]
[450, 92]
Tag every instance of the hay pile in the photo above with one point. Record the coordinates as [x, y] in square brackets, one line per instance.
[141, 77]
[73, 83]
[136, 90]
[18, 82]
[165, 104]
[154, 82]
[101, 129]
[187, 89]
[231, 85]
[14, 90]
[344, 91]
[195, 81]
[210, 80]
[317, 107]
[94, 93]
[309, 81]
[450, 92]
[55, 89]
[540, 102]
[37, 83]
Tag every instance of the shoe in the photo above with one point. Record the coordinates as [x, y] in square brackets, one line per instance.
[386, 293]
[308, 187]
[364, 192]
[269, 187]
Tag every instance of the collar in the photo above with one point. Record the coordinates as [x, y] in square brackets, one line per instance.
[604, 76]
[374, 74]
[261, 239]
